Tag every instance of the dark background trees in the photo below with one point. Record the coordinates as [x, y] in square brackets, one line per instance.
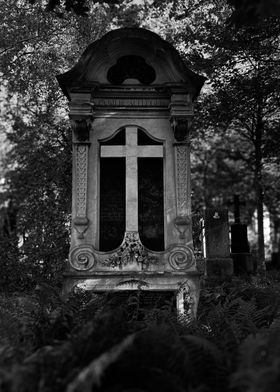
[46, 340]
[246, 104]
[235, 134]
[36, 47]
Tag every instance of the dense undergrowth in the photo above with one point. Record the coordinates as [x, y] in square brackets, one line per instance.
[93, 342]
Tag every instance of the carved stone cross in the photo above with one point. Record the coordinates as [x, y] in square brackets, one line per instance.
[132, 151]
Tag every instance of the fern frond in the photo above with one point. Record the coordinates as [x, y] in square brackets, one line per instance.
[91, 376]
[275, 325]
[209, 367]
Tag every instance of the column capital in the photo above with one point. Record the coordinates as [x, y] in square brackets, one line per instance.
[181, 128]
[181, 113]
[81, 127]
[80, 103]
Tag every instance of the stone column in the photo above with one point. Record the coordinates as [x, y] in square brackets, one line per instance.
[81, 255]
[80, 184]
[81, 117]
[181, 112]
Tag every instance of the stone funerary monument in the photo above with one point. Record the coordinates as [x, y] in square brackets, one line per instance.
[131, 105]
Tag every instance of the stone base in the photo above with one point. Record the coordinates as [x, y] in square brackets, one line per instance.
[218, 267]
[186, 286]
[242, 263]
[147, 299]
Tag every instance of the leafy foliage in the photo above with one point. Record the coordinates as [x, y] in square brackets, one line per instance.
[39, 161]
[79, 7]
[94, 341]
[241, 66]
[48, 342]
[248, 12]
[259, 366]
[231, 312]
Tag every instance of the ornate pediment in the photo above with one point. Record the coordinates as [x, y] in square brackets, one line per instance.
[130, 55]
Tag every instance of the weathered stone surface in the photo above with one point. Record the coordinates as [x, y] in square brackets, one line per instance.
[216, 232]
[131, 98]
[98, 59]
[218, 261]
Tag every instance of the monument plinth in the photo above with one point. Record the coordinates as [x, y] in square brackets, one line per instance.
[131, 104]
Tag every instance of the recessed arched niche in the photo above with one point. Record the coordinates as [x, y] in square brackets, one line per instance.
[149, 184]
[131, 105]
[131, 68]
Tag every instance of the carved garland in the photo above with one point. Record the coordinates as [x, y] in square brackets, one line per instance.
[131, 250]
[81, 220]
[81, 180]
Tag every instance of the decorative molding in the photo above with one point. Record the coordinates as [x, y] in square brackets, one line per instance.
[82, 162]
[181, 154]
[82, 257]
[130, 251]
[181, 257]
[131, 102]
[80, 104]
[182, 223]
[181, 113]
[81, 221]
[189, 301]
[181, 105]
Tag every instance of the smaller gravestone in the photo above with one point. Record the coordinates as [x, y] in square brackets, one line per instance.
[217, 251]
[240, 250]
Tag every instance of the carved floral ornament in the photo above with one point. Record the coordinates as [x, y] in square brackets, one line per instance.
[131, 250]
[182, 190]
[81, 220]
[180, 257]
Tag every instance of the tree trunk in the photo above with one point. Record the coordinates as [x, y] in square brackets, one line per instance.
[259, 191]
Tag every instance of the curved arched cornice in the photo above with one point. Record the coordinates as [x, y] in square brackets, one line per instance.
[102, 55]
